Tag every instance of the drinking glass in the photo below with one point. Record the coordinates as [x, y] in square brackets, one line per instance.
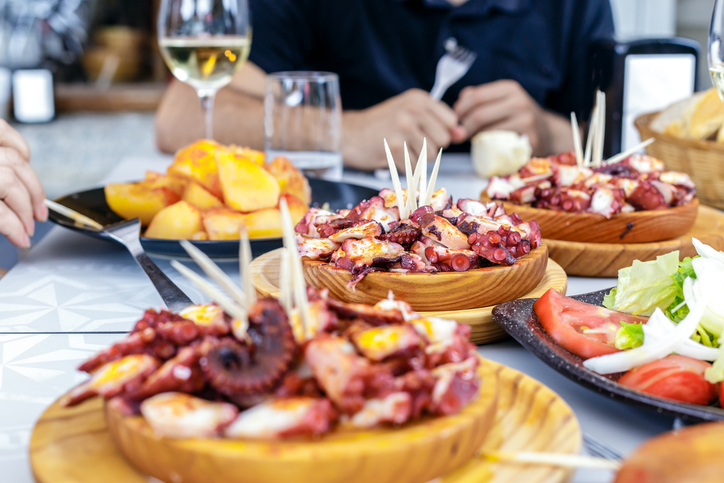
[204, 42]
[303, 121]
[716, 49]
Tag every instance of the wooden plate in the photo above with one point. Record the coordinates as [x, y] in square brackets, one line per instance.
[265, 275]
[435, 291]
[636, 227]
[74, 445]
[605, 260]
[519, 320]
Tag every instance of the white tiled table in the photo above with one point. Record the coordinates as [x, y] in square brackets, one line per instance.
[74, 295]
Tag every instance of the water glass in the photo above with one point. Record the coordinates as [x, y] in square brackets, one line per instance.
[303, 121]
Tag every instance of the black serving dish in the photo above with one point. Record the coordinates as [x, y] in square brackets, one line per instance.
[92, 203]
[518, 319]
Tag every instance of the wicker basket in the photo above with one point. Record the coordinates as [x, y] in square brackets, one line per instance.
[703, 161]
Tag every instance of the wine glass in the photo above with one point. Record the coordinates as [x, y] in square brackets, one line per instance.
[716, 49]
[204, 42]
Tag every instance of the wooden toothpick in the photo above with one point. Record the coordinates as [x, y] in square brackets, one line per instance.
[395, 180]
[215, 273]
[422, 167]
[295, 265]
[628, 152]
[576, 140]
[244, 264]
[433, 178]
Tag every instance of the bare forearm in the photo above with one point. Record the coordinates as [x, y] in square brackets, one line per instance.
[238, 118]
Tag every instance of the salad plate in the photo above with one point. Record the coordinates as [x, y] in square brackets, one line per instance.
[75, 444]
[519, 320]
[92, 203]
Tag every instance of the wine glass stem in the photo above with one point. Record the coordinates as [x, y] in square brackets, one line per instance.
[207, 106]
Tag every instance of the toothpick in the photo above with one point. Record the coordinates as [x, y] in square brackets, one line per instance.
[215, 273]
[601, 128]
[73, 215]
[395, 180]
[295, 265]
[576, 140]
[628, 152]
[210, 291]
[591, 135]
[433, 179]
[411, 188]
[244, 263]
[422, 166]
[285, 286]
[553, 459]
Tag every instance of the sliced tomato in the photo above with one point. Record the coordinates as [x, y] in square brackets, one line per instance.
[674, 377]
[586, 330]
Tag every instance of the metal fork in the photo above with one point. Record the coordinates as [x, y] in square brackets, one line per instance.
[127, 233]
[600, 449]
[450, 68]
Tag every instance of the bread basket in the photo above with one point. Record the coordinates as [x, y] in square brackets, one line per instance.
[703, 161]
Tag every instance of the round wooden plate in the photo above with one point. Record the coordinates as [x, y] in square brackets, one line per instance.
[636, 227]
[265, 275]
[75, 445]
[435, 291]
[605, 260]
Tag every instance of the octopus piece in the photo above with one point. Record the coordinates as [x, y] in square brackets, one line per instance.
[379, 343]
[479, 209]
[643, 163]
[403, 307]
[564, 159]
[677, 179]
[608, 201]
[180, 374]
[179, 415]
[537, 168]
[412, 262]
[443, 231]
[312, 219]
[418, 213]
[668, 191]
[321, 319]
[448, 341]
[646, 196]
[500, 247]
[284, 417]
[395, 408]
[369, 229]
[356, 255]
[451, 214]
[372, 315]
[447, 260]
[374, 209]
[571, 175]
[419, 384]
[619, 170]
[598, 179]
[210, 319]
[441, 200]
[339, 371]
[316, 248]
[523, 196]
[499, 188]
[234, 368]
[563, 199]
[135, 343]
[627, 185]
[111, 379]
[404, 232]
[457, 384]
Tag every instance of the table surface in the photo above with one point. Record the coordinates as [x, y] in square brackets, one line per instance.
[74, 295]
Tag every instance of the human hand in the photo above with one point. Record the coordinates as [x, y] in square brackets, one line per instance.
[21, 194]
[408, 117]
[505, 105]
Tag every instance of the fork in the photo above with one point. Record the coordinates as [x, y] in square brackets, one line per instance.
[450, 68]
[600, 449]
[127, 233]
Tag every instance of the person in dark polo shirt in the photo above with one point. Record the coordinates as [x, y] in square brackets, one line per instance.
[529, 75]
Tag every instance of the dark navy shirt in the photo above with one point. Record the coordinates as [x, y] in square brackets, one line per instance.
[380, 48]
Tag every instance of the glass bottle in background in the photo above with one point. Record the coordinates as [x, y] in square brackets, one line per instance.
[204, 42]
[715, 49]
[303, 121]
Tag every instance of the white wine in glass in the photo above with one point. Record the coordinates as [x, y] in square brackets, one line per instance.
[715, 48]
[204, 42]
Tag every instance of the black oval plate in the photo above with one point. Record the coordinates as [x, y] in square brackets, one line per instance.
[519, 320]
[92, 203]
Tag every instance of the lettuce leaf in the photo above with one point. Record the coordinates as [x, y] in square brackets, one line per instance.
[629, 336]
[644, 286]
